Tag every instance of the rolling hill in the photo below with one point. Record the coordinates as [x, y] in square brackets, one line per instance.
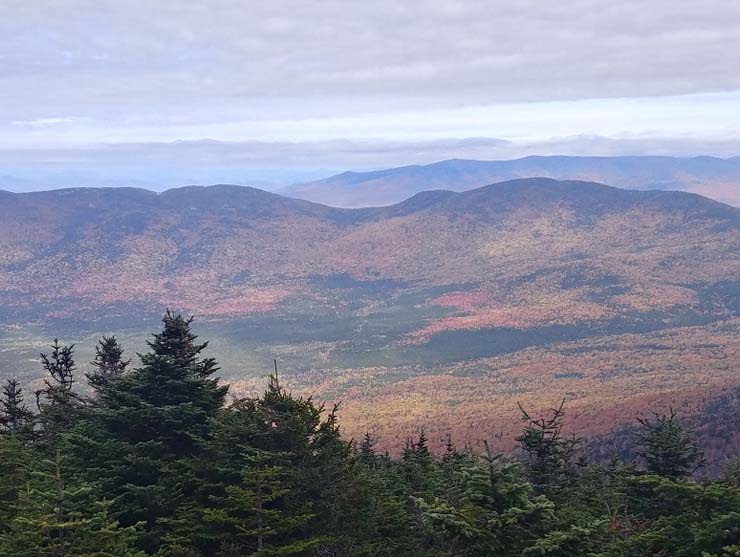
[452, 305]
[713, 177]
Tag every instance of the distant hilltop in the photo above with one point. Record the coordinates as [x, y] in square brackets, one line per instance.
[709, 176]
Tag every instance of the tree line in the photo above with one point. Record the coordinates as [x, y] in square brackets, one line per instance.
[158, 460]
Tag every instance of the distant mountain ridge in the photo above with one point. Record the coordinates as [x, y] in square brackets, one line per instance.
[710, 176]
[451, 303]
[227, 200]
[203, 248]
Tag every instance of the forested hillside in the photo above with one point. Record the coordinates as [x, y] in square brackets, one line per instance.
[157, 457]
[445, 306]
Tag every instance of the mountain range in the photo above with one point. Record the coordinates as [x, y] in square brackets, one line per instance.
[452, 304]
[710, 176]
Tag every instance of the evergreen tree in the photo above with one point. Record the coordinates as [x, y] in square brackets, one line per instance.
[679, 518]
[452, 464]
[147, 432]
[58, 519]
[177, 342]
[418, 465]
[667, 447]
[366, 453]
[497, 513]
[293, 422]
[15, 417]
[381, 521]
[732, 473]
[109, 362]
[258, 517]
[276, 425]
[421, 449]
[15, 458]
[450, 453]
[549, 453]
[57, 402]
[330, 487]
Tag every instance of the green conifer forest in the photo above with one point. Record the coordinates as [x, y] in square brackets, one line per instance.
[151, 455]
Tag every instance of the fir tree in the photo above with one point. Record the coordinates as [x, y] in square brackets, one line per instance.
[15, 417]
[497, 514]
[366, 452]
[329, 484]
[15, 460]
[177, 342]
[421, 449]
[549, 453]
[257, 517]
[148, 431]
[57, 402]
[732, 473]
[667, 447]
[450, 450]
[60, 519]
[680, 518]
[311, 447]
[109, 363]
[418, 464]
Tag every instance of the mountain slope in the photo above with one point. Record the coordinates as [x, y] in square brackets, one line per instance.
[448, 303]
[710, 176]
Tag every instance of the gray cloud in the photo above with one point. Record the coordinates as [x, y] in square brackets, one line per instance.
[141, 61]
[97, 91]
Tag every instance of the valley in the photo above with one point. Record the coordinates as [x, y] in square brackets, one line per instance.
[452, 305]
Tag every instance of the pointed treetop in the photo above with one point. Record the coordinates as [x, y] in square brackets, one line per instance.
[450, 449]
[14, 415]
[176, 340]
[422, 446]
[60, 366]
[367, 448]
[178, 343]
[108, 363]
[57, 402]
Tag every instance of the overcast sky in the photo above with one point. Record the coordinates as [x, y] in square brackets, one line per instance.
[239, 90]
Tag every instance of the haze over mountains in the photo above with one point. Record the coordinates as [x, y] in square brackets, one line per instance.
[710, 176]
[523, 290]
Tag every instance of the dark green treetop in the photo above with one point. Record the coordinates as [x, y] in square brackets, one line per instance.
[666, 447]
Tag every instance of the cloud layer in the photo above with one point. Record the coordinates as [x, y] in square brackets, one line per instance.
[84, 73]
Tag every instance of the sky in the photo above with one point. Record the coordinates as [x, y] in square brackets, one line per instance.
[100, 92]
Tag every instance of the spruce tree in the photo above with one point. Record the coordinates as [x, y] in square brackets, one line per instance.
[418, 465]
[680, 518]
[178, 342]
[451, 452]
[109, 362]
[15, 417]
[308, 449]
[497, 512]
[549, 453]
[421, 449]
[15, 459]
[329, 485]
[57, 402]
[258, 517]
[666, 447]
[16, 426]
[366, 452]
[60, 518]
[147, 432]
